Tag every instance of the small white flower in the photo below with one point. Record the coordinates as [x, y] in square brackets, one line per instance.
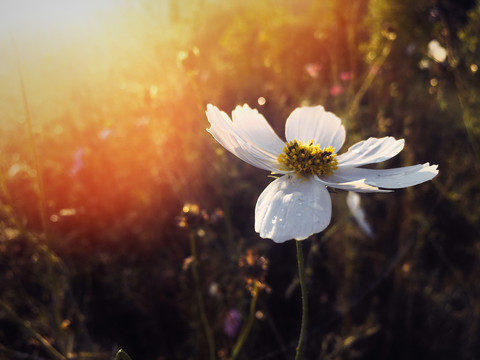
[297, 204]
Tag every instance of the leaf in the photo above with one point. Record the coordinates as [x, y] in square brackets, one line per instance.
[122, 355]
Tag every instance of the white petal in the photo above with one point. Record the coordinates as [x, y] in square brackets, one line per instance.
[390, 178]
[353, 203]
[314, 123]
[238, 142]
[292, 208]
[337, 182]
[372, 150]
[253, 126]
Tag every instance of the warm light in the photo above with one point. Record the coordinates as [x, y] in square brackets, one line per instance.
[27, 16]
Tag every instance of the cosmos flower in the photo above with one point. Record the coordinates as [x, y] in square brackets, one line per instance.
[297, 204]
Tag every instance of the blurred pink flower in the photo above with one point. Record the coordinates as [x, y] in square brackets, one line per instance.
[232, 322]
[313, 69]
[77, 161]
[345, 76]
[336, 90]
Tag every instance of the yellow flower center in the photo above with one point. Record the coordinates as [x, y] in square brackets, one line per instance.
[308, 159]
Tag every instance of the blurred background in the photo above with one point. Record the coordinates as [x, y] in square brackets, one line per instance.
[107, 175]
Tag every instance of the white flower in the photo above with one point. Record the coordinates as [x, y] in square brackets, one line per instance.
[297, 204]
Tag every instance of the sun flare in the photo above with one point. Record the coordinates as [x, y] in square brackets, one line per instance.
[26, 16]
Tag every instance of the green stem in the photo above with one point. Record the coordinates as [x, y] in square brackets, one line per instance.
[201, 305]
[303, 286]
[248, 325]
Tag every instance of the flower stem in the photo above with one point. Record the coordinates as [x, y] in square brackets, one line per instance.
[201, 305]
[303, 286]
[248, 325]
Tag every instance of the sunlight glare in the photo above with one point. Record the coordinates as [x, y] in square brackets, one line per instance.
[27, 16]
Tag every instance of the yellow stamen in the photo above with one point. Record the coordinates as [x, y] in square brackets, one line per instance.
[308, 159]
